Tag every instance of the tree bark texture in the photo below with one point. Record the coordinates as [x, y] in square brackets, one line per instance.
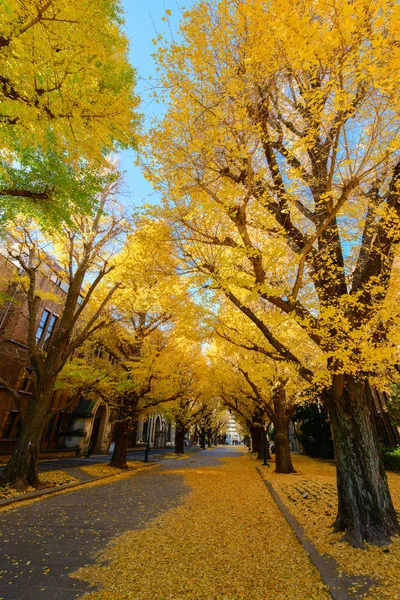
[22, 468]
[127, 418]
[281, 419]
[203, 438]
[118, 459]
[179, 439]
[365, 508]
[257, 435]
[255, 440]
[283, 460]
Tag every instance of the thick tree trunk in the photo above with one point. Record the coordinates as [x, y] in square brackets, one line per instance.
[365, 508]
[256, 440]
[266, 442]
[127, 421]
[282, 415]
[283, 460]
[259, 435]
[22, 468]
[253, 439]
[179, 439]
[118, 459]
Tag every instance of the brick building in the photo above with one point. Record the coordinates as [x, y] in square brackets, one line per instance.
[75, 425]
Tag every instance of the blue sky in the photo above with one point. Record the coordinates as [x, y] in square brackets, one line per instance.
[143, 24]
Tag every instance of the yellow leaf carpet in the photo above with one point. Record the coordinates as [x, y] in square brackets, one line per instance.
[310, 495]
[48, 479]
[228, 541]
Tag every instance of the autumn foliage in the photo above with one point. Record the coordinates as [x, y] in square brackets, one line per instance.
[279, 168]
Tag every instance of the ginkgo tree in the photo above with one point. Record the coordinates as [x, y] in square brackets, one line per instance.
[83, 259]
[249, 412]
[279, 163]
[66, 101]
[262, 390]
[151, 313]
[196, 404]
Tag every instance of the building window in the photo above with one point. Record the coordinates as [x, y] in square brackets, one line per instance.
[56, 279]
[42, 325]
[26, 382]
[50, 327]
[12, 427]
[45, 327]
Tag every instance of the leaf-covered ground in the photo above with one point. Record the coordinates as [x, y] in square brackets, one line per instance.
[228, 541]
[103, 470]
[310, 495]
[49, 479]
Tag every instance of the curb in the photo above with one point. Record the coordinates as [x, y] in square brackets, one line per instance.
[62, 488]
[325, 566]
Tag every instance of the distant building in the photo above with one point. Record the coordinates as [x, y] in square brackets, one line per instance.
[160, 430]
[233, 435]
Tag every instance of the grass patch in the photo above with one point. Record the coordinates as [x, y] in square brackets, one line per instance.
[391, 459]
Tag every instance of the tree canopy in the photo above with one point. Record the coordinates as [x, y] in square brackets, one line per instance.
[66, 101]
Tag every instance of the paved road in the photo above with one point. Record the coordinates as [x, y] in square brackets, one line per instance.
[40, 544]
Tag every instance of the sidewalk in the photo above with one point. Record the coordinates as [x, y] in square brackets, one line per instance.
[43, 542]
[202, 528]
[228, 540]
[80, 470]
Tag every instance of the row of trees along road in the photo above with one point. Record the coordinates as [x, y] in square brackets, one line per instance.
[148, 354]
[66, 102]
[269, 386]
[278, 160]
[126, 330]
[85, 258]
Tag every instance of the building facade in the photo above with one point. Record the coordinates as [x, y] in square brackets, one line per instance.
[233, 432]
[73, 426]
[157, 428]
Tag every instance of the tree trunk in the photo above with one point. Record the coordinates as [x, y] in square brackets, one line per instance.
[209, 438]
[118, 459]
[260, 434]
[365, 508]
[203, 439]
[127, 421]
[282, 415]
[266, 442]
[283, 460]
[256, 440]
[179, 439]
[22, 468]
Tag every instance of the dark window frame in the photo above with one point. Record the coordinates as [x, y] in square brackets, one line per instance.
[46, 327]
